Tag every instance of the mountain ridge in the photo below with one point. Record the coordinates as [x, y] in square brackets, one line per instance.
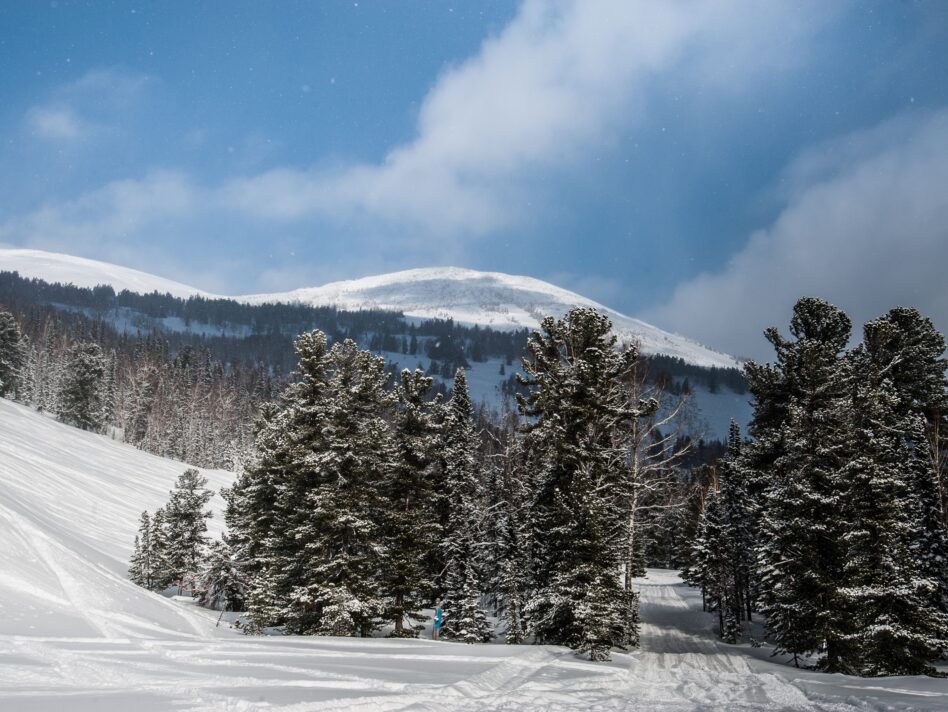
[491, 299]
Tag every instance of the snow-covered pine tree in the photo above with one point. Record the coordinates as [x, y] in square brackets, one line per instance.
[222, 582]
[162, 575]
[906, 348]
[12, 354]
[800, 422]
[336, 490]
[256, 520]
[82, 393]
[267, 503]
[464, 618]
[140, 569]
[578, 409]
[711, 566]
[512, 546]
[185, 520]
[893, 623]
[738, 520]
[411, 529]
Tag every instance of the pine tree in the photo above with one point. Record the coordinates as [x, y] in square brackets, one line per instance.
[464, 619]
[739, 540]
[185, 519]
[162, 575]
[411, 529]
[800, 425]
[327, 573]
[223, 581]
[82, 395]
[141, 566]
[710, 565]
[893, 622]
[579, 406]
[512, 545]
[905, 348]
[12, 354]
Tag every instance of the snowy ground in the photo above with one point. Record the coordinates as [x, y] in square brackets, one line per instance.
[76, 635]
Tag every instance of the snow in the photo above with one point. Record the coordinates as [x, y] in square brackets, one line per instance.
[76, 635]
[491, 299]
[67, 269]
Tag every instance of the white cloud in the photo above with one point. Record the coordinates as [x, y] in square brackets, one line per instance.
[559, 84]
[866, 227]
[541, 95]
[57, 123]
[89, 105]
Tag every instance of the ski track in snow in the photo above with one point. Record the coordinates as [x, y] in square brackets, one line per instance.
[75, 634]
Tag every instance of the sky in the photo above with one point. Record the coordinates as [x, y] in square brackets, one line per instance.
[700, 164]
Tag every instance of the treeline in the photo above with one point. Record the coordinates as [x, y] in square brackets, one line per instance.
[831, 521]
[184, 405]
[271, 328]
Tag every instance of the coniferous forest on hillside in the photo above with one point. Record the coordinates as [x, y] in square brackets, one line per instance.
[366, 496]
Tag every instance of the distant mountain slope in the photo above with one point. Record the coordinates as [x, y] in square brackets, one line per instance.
[490, 299]
[55, 267]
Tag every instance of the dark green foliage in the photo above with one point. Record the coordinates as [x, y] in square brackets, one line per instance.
[223, 582]
[82, 398]
[411, 529]
[12, 353]
[574, 377]
[185, 525]
[464, 618]
[852, 540]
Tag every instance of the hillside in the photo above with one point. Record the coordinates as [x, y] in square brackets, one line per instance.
[76, 635]
[487, 299]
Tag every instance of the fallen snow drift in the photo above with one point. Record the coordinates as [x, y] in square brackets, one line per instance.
[76, 635]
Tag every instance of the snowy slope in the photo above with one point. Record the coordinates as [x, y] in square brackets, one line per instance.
[69, 507]
[490, 299]
[55, 267]
[76, 635]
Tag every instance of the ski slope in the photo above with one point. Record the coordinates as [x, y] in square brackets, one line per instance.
[490, 299]
[75, 635]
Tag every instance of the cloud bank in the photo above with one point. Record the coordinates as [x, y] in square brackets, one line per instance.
[865, 226]
[560, 83]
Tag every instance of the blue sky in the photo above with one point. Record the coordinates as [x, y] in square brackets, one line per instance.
[698, 163]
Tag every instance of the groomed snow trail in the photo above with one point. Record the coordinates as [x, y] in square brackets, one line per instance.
[76, 636]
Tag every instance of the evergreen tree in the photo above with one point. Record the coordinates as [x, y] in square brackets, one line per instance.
[411, 530]
[162, 575]
[464, 619]
[141, 566]
[223, 582]
[82, 395]
[723, 550]
[12, 354]
[893, 622]
[578, 408]
[800, 425]
[185, 518]
[325, 558]
[905, 348]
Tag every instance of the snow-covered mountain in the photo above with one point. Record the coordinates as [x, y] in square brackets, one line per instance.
[490, 299]
[67, 269]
